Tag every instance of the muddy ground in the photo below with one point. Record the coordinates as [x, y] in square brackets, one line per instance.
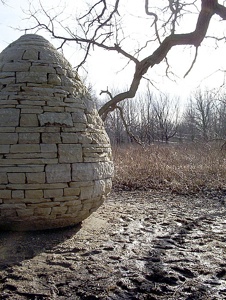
[138, 245]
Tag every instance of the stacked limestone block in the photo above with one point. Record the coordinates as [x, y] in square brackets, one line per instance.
[55, 157]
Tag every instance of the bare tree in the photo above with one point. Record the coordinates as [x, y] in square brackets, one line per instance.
[189, 123]
[100, 26]
[166, 117]
[204, 103]
[147, 121]
[219, 117]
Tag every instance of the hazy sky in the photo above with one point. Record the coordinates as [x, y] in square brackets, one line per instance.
[104, 66]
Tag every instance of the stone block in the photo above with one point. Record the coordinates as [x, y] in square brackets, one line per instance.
[22, 169]
[33, 77]
[7, 80]
[99, 188]
[79, 117]
[9, 117]
[4, 148]
[70, 138]
[33, 110]
[28, 138]
[37, 104]
[30, 129]
[100, 138]
[74, 209]
[68, 200]
[5, 194]
[59, 210]
[42, 203]
[29, 120]
[57, 102]
[67, 81]
[60, 70]
[36, 194]
[90, 106]
[28, 212]
[42, 68]
[103, 170]
[36, 177]
[52, 129]
[3, 179]
[58, 173]
[99, 158]
[82, 171]
[42, 211]
[87, 205]
[85, 139]
[8, 138]
[53, 109]
[92, 171]
[78, 184]
[34, 91]
[16, 66]
[28, 161]
[31, 54]
[70, 153]
[77, 100]
[86, 193]
[50, 138]
[54, 79]
[72, 191]
[83, 214]
[51, 118]
[24, 148]
[53, 193]
[48, 148]
[13, 206]
[108, 185]
[31, 155]
[8, 129]
[16, 177]
[18, 194]
[8, 103]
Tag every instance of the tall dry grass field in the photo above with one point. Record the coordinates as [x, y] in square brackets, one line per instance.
[181, 168]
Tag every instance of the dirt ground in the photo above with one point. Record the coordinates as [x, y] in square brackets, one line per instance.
[138, 245]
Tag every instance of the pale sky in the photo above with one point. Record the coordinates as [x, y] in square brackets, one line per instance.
[104, 66]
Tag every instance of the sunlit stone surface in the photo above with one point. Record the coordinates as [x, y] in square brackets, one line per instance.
[55, 157]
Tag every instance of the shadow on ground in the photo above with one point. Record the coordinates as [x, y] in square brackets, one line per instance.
[18, 246]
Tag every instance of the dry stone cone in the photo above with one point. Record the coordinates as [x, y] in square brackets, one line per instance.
[55, 156]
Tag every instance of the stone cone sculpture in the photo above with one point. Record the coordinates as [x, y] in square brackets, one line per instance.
[55, 156]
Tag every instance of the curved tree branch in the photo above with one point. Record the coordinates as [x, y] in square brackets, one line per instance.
[208, 9]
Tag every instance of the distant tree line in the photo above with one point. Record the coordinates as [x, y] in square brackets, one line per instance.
[158, 118]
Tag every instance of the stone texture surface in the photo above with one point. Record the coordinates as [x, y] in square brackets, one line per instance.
[55, 156]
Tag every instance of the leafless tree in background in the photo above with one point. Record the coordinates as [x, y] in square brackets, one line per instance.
[189, 129]
[152, 118]
[204, 104]
[166, 116]
[205, 117]
[102, 26]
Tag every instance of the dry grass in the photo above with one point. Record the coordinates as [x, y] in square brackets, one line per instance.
[180, 168]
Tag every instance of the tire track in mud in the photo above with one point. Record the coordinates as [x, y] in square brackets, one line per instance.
[138, 245]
